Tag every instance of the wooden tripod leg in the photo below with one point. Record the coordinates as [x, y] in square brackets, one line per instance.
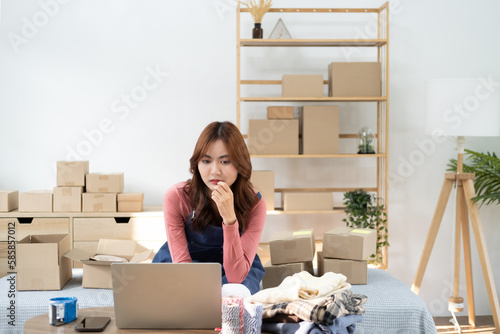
[444, 195]
[482, 251]
[467, 257]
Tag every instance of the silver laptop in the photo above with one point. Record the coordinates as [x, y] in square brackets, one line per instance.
[167, 295]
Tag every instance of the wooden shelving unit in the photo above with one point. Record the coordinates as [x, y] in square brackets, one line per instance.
[381, 43]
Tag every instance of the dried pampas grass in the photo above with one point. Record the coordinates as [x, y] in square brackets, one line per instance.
[257, 8]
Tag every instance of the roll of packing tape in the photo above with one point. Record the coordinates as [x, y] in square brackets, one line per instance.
[233, 315]
[62, 310]
[253, 318]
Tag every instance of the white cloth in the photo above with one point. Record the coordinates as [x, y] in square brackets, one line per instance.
[235, 289]
[302, 285]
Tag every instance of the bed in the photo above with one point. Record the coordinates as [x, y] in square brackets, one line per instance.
[391, 306]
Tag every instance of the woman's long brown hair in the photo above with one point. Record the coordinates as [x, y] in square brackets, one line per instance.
[243, 194]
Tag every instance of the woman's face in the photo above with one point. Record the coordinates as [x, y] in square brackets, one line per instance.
[216, 166]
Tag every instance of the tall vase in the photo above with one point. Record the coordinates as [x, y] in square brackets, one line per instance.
[257, 31]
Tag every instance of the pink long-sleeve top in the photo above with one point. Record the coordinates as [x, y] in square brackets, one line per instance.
[238, 251]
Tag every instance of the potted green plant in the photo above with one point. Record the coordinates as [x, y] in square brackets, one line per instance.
[363, 210]
[486, 166]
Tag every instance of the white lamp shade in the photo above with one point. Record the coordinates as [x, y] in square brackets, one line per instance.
[462, 107]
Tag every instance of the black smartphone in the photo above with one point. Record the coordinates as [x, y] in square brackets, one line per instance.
[92, 324]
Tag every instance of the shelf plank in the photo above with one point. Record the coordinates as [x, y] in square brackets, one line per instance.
[313, 42]
[279, 211]
[345, 189]
[340, 155]
[314, 99]
[317, 10]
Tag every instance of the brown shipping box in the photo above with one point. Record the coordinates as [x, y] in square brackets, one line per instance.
[275, 274]
[41, 264]
[35, 201]
[290, 247]
[130, 202]
[279, 112]
[320, 129]
[104, 183]
[356, 272]
[263, 181]
[304, 201]
[354, 79]
[308, 85]
[72, 173]
[9, 200]
[273, 136]
[99, 202]
[68, 199]
[97, 274]
[348, 243]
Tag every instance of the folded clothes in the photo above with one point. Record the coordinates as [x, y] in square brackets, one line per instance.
[321, 310]
[302, 286]
[342, 325]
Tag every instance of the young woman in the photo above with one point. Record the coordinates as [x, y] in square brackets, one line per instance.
[217, 216]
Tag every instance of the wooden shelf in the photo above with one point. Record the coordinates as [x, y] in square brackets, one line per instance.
[306, 156]
[313, 42]
[149, 211]
[313, 99]
[279, 211]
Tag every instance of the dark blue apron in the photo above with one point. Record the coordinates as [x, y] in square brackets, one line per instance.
[206, 246]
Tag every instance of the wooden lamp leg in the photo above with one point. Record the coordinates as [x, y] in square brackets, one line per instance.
[481, 248]
[444, 195]
[456, 303]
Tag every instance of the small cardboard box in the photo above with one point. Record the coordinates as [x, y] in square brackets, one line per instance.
[99, 202]
[290, 247]
[354, 79]
[41, 264]
[9, 200]
[130, 202]
[104, 183]
[68, 199]
[275, 274]
[97, 274]
[35, 201]
[279, 112]
[308, 85]
[320, 129]
[72, 173]
[263, 181]
[305, 201]
[273, 136]
[355, 271]
[348, 243]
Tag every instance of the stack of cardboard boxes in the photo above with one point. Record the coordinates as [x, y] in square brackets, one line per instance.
[344, 252]
[78, 190]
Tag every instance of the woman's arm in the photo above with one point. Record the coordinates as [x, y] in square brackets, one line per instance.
[176, 212]
[239, 252]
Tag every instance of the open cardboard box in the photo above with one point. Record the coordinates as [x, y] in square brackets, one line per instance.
[97, 274]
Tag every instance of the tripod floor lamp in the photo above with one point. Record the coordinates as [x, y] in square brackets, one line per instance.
[461, 108]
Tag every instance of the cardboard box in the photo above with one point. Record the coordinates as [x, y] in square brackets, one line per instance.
[348, 243]
[40, 262]
[354, 79]
[309, 85]
[68, 199]
[35, 201]
[9, 200]
[290, 247]
[72, 173]
[99, 202]
[355, 271]
[104, 183]
[305, 201]
[279, 112]
[130, 202]
[268, 137]
[275, 274]
[97, 274]
[263, 180]
[320, 129]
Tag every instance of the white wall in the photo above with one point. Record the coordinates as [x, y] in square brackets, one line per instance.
[129, 85]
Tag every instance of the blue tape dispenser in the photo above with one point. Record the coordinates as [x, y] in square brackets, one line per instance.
[62, 310]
